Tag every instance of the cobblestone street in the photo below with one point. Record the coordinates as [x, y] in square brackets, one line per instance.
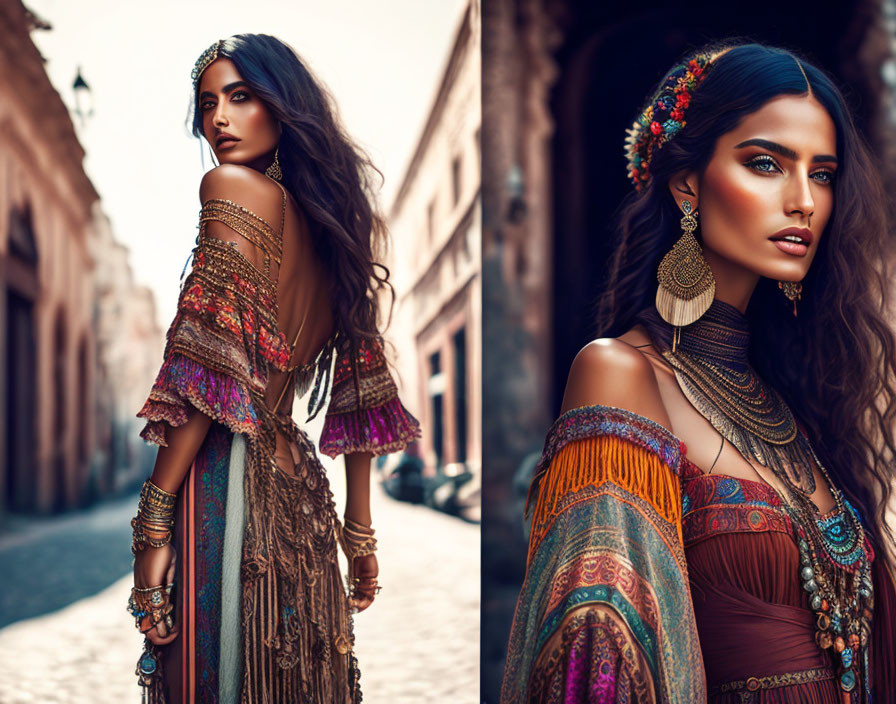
[418, 643]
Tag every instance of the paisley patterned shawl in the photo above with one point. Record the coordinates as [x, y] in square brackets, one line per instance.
[605, 613]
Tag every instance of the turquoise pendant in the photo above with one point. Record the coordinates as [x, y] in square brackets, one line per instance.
[846, 657]
[848, 681]
[147, 664]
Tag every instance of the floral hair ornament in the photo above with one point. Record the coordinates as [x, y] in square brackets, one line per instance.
[207, 56]
[663, 117]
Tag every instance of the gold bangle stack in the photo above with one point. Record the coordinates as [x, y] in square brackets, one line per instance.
[357, 539]
[155, 518]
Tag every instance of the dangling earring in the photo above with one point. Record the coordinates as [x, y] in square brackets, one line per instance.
[274, 169]
[687, 286]
[793, 290]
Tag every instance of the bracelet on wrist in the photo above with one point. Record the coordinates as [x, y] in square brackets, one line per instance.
[357, 539]
[155, 518]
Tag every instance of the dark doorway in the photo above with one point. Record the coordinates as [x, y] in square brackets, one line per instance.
[60, 379]
[460, 393]
[20, 406]
[19, 352]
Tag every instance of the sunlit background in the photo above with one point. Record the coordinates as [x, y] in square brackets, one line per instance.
[99, 205]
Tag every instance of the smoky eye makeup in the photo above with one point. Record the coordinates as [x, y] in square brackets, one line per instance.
[766, 164]
[762, 163]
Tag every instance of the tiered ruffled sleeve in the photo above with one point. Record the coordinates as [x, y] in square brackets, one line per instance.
[605, 612]
[365, 413]
[221, 342]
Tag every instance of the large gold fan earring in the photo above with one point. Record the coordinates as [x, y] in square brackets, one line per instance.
[686, 284]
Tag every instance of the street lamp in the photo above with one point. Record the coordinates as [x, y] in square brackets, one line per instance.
[515, 185]
[83, 98]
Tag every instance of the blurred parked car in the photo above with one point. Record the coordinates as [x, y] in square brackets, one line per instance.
[455, 488]
[402, 476]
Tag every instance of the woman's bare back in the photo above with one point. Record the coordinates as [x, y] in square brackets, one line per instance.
[304, 310]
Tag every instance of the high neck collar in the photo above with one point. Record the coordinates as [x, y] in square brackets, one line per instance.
[720, 335]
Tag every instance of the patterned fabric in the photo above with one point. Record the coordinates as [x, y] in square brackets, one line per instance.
[604, 614]
[365, 413]
[716, 504]
[198, 535]
[220, 348]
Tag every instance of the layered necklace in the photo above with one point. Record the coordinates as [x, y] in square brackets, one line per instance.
[711, 364]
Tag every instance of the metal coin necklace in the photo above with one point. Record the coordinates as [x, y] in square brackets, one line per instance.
[712, 368]
[711, 364]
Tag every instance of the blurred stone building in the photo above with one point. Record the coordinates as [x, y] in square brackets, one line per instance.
[59, 398]
[435, 223]
[130, 345]
[562, 80]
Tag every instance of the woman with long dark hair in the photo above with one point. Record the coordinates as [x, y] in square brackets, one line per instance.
[709, 512]
[236, 580]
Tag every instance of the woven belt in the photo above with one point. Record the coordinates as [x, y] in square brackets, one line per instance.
[754, 684]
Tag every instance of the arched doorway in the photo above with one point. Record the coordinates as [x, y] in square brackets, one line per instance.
[17, 400]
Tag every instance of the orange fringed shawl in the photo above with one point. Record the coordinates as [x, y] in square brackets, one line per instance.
[604, 613]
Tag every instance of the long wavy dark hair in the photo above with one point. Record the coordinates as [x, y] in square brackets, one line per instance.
[329, 176]
[834, 364]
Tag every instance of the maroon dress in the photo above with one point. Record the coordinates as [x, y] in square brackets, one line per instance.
[752, 615]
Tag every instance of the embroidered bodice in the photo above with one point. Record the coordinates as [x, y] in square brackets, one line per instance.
[714, 504]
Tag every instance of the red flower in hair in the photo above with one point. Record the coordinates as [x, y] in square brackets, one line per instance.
[684, 99]
[656, 127]
[677, 114]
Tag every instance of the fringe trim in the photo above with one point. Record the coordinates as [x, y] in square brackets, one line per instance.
[681, 311]
[594, 461]
[380, 430]
[216, 394]
[297, 630]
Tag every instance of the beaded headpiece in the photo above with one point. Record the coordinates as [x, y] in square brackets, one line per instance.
[205, 59]
[663, 117]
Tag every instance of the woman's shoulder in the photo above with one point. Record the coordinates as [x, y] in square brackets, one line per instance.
[613, 371]
[246, 187]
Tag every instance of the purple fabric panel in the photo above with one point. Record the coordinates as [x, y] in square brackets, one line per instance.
[182, 382]
[381, 430]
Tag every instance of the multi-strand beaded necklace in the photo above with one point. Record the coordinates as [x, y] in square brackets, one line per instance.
[712, 367]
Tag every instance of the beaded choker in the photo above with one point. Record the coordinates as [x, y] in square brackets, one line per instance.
[712, 368]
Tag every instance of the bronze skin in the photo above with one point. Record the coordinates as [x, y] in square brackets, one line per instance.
[241, 130]
[230, 109]
[237, 124]
[774, 171]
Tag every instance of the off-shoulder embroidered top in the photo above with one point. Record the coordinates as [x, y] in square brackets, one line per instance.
[225, 341]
